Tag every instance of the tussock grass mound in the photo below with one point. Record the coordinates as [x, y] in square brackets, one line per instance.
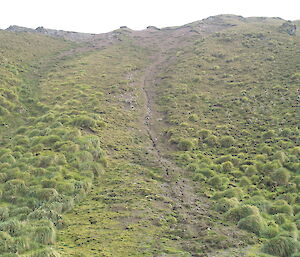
[225, 204]
[45, 233]
[281, 246]
[252, 223]
[242, 211]
[6, 242]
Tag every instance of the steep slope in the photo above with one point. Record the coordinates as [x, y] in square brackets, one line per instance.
[21, 58]
[40, 178]
[228, 108]
[199, 128]
[146, 214]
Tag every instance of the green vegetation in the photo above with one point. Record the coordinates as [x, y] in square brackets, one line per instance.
[247, 127]
[174, 142]
[281, 246]
[41, 177]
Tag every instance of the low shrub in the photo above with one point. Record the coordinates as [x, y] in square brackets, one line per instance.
[290, 198]
[21, 140]
[45, 161]
[223, 159]
[65, 188]
[67, 203]
[7, 158]
[281, 156]
[296, 151]
[50, 140]
[97, 169]
[83, 156]
[297, 181]
[296, 208]
[20, 212]
[265, 149]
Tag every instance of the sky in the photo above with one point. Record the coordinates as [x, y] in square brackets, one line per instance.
[99, 16]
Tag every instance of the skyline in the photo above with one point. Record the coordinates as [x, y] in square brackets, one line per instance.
[92, 16]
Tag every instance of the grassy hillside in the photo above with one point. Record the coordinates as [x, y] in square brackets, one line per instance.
[230, 108]
[40, 177]
[175, 142]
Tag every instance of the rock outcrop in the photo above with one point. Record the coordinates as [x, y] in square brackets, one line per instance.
[288, 27]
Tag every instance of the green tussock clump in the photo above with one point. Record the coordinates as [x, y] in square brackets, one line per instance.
[84, 122]
[225, 204]
[4, 213]
[229, 193]
[270, 230]
[281, 208]
[45, 235]
[252, 223]
[6, 242]
[185, 144]
[242, 211]
[281, 176]
[281, 246]
[12, 226]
